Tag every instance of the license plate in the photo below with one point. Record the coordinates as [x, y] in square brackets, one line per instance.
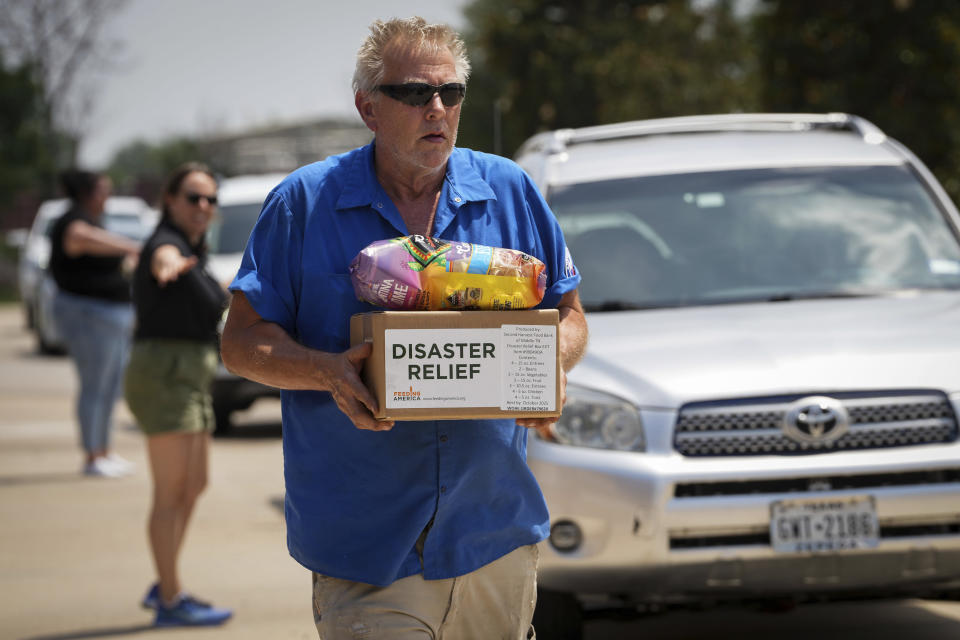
[823, 525]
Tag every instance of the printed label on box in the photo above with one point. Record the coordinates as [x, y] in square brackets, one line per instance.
[442, 368]
[529, 367]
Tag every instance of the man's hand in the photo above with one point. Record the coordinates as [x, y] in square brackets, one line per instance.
[349, 392]
[572, 340]
[545, 426]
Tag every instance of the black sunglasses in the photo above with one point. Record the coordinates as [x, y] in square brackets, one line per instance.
[417, 94]
[195, 198]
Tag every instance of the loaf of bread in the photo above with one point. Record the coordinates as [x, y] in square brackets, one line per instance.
[429, 274]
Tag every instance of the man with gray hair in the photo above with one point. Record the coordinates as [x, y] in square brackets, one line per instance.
[421, 528]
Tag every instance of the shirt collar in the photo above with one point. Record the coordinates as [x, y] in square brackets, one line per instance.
[359, 188]
[463, 183]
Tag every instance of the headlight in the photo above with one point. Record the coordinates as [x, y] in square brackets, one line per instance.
[601, 421]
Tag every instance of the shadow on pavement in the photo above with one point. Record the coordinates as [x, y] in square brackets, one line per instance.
[40, 478]
[252, 431]
[854, 619]
[278, 503]
[105, 632]
[33, 353]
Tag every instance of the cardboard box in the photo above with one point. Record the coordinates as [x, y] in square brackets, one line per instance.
[435, 365]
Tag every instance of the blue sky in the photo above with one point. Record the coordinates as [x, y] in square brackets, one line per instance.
[214, 66]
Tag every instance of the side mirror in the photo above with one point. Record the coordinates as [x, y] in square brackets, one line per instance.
[16, 238]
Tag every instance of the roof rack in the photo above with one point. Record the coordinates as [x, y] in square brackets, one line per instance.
[557, 141]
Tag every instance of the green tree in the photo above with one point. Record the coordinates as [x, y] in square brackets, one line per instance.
[62, 44]
[894, 62]
[546, 64]
[25, 164]
[140, 167]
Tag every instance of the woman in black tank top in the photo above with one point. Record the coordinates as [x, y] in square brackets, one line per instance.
[93, 312]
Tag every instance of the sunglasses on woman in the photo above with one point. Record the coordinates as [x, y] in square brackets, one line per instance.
[417, 94]
[194, 198]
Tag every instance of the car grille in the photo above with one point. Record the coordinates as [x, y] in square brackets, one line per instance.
[816, 483]
[756, 426]
[887, 532]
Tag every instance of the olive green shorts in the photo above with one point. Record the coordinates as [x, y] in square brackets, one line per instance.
[167, 385]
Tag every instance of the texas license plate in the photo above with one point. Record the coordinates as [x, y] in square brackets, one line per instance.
[823, 525]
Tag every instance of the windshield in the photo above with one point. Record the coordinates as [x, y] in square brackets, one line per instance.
[132, 225]
[748, 235]
[231, 228]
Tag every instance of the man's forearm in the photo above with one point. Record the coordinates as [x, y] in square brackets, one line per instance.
[262, 351]
[266, 354]
[572, 337]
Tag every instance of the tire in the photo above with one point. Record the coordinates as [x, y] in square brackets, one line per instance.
[48, 343]
[221, 416]
[45, 345]
[28, 320]
[47, 349]
[558, 616]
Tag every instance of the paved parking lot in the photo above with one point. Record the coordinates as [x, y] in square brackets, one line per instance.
[74, 558]
[73, 550]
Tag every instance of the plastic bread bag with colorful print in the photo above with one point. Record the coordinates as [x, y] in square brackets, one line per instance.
[420, 273]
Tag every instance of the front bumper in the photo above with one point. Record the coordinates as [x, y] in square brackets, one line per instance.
[642, 539]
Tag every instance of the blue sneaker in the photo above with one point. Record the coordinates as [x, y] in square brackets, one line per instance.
[152, 599]
[191, 613]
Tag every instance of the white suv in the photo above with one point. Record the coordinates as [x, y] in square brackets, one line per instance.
[768, 405]
[240, 201]
[126, 215]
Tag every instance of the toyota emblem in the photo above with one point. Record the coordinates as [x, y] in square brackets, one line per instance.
[816, 420]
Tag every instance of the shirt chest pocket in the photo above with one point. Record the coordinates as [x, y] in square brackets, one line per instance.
[326, 304]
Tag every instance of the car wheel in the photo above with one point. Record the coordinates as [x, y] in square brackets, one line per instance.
[221, 416]
[45, 344]
[28, 320]
[46, 348]
[558, 616]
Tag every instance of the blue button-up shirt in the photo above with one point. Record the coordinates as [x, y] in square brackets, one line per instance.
[357, 501]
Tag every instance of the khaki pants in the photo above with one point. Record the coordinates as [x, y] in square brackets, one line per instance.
[495, 602]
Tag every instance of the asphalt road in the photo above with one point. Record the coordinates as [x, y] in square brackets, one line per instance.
[74, 557]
